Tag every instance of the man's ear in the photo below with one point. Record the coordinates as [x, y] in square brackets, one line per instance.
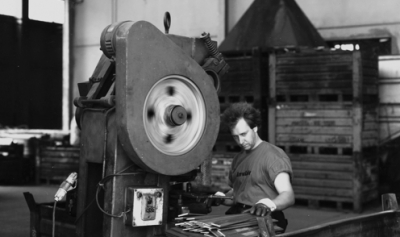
[255, 129]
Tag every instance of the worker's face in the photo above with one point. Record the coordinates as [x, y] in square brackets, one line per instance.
[244, 135]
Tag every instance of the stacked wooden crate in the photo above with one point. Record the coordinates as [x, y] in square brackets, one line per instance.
[323, 113]
[54, 164]
[247, 80]
[221, 164]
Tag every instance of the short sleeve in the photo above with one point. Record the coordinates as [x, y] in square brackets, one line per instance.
[279, 162]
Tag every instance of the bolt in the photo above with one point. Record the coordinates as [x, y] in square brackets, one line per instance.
[158, 194]
[133, 223]
[160, 222]
[139, 194]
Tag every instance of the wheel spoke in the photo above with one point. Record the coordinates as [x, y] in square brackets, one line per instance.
[150, 113]
[189, 116]
[169, 138]
[170, 90]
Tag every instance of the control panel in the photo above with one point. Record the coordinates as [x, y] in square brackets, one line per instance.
[143, 206]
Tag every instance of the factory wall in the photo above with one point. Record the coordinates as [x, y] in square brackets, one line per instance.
[342, 19]
[188, 18]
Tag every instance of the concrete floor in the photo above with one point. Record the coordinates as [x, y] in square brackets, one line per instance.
[15, 219]
[14, 212]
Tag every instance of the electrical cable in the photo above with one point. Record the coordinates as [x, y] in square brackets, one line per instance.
[101, 185]
[101, 209]
[54, 219]
[94, 199]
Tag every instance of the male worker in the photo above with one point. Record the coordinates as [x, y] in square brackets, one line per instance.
[261, 173]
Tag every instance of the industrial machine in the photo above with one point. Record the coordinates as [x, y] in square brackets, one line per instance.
[149, 117]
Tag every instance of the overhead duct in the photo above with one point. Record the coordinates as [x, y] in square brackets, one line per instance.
[271, 24]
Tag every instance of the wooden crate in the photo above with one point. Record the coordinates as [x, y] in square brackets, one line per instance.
[323, 113]
[41, 218]
[221, 165]
[247, 80]
[56, 163]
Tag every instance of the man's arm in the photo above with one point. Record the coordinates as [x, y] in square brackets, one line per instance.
[284, 199]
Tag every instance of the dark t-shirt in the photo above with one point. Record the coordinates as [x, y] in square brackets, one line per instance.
[253, 173]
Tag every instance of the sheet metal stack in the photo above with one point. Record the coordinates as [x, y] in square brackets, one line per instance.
[238, 225]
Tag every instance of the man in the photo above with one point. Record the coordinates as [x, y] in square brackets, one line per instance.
[261, 173]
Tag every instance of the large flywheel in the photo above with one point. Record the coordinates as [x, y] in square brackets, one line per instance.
[167, 107]
[174, 115]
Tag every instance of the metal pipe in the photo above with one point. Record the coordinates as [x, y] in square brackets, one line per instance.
[66, 68]
[114, 10]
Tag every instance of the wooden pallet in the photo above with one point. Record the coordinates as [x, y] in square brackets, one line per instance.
[323, 113]
[246, 81]
[315, 202]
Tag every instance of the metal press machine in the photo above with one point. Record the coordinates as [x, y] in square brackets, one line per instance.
[149, 117]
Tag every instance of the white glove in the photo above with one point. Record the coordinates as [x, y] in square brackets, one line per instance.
[268, 202]
[218, 201]
[219, 194]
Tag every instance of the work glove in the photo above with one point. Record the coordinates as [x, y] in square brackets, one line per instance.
[218, 201]
[262, 207]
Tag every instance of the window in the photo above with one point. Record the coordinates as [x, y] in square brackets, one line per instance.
[11, 8]
[39, 10]
[46, 10]
[379, 46]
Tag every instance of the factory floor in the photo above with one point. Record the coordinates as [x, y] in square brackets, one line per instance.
[15, 216]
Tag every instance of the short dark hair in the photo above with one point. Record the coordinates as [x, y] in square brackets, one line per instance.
[240, 110]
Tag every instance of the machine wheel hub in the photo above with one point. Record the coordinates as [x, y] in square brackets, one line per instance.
[174, 115]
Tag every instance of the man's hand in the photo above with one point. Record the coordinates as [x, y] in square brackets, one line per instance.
[259, 210]
[262, 207]
[224, 201]
[218, 201]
